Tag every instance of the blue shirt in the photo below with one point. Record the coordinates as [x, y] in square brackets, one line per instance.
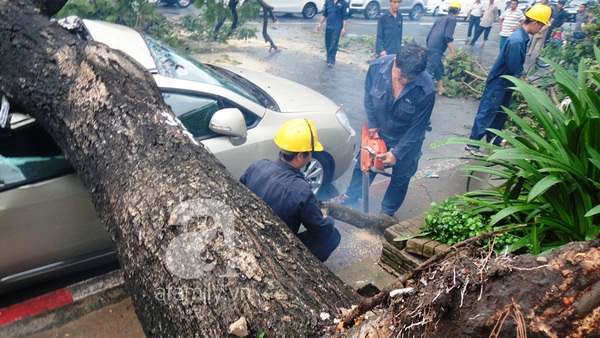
[402, 122]
[389, 33]
[510, 60]
[286, 190]
[336, 13]
[441, 33]
[559, 18]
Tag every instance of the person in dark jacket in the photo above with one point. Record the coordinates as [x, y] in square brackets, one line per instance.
[336, 13]
[496, 92]
[440, 38]
[399, 99]
[389, 30]
[559, 16]
[284, 188]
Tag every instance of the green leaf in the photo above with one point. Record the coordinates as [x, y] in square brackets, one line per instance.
[542, 186]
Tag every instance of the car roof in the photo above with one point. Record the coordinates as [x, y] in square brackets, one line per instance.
[122, 38]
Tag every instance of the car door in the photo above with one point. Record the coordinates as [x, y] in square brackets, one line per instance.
[47, 219]
[195, 111]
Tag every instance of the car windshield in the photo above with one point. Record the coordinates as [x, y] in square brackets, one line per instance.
[174, 65]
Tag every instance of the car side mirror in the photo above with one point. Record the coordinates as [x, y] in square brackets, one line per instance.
[231, 122]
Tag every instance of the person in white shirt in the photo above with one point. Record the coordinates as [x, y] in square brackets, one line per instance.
[510, 21]
[474, 17]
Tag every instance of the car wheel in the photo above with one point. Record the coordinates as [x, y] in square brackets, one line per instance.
[372, 10]
[318, 171]
[184, 3]
[436, 11]
[309, 11]
[416, 13]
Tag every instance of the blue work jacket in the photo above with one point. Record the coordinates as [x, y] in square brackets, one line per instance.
[441, 33]
[389, 33]
[286, 190]
[510, 60]
[336, 14]
[402, 122]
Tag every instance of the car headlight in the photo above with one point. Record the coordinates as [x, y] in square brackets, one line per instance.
[340, 115]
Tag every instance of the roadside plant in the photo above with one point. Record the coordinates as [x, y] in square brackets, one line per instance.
[548, 177]
[453, 221]
[464, 77]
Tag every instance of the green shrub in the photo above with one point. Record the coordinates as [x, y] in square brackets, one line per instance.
[549, 176]
[453, 221]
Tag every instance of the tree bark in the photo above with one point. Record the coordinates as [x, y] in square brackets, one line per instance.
[197, 249]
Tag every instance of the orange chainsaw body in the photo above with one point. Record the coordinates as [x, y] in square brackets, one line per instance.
[368, 159]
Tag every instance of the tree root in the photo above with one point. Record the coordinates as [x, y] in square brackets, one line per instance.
[369, 303]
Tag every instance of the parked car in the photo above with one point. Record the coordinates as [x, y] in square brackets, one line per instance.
[372, 8]
[572, 6]
[434, 7]
[48, 225]
[308, 8]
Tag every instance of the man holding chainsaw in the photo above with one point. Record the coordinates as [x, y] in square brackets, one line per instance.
[399, 99]
[285, 189]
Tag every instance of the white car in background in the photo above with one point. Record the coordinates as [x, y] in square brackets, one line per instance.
[434, 7]
[308, 8]
[48, 224]
[372, 8]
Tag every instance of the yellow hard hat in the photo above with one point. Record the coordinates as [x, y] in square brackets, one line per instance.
[455, 4]
[298, 136]
[540, 13]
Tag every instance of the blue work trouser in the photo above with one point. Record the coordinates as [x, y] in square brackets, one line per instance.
[332, 39]
[396, 191]
[322, 247]
[490, 113]
[473, 24]
[435, 65]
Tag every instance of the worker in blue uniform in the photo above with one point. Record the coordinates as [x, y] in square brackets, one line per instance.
[389, 30]
[285, 189]
[440, 38]
[399, 99]
[497, 92]
[336, 12]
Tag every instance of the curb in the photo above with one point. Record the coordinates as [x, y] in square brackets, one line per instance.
[59, 298]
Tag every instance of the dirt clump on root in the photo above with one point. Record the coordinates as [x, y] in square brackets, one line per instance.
[483, 295]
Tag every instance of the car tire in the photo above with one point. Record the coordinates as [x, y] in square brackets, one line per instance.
[416, 13]
[309, 11]
[319, 171]
[436, 11]
[184, 3]
[372, 10]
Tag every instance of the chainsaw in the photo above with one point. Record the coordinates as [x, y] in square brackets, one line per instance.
[371, 149]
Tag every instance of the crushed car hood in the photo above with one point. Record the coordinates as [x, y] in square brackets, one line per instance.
[290, 96]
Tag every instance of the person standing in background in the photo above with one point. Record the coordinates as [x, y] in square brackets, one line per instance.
[559, 16]
[581, 19]
[490, 15]
[510, 21]
[440, 37]
[474, 18]
[389, 30]
[336, 13]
